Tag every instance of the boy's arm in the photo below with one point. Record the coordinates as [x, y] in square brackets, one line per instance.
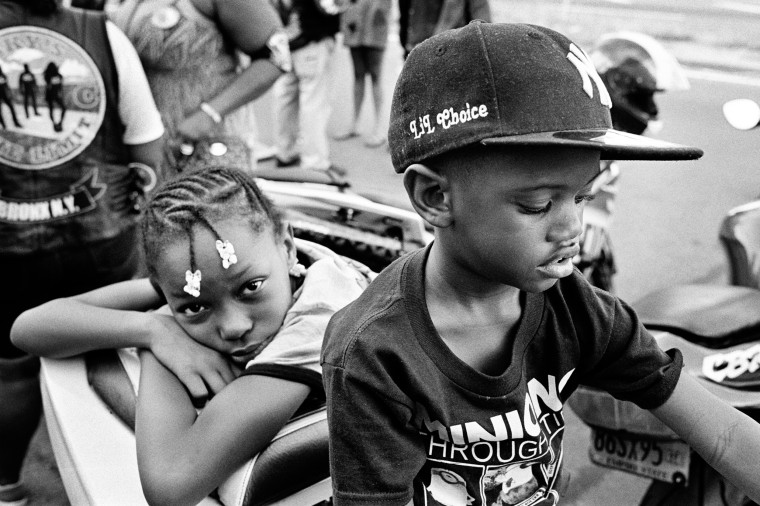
[183, 457]
[116, 316]
[727, 439]
[374, 453]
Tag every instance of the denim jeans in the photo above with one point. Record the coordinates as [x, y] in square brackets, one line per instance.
[302, 108]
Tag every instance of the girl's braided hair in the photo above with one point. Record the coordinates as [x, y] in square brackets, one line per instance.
[202, 197]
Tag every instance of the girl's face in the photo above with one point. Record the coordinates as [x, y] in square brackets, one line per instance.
[241, 307]
[517, 217]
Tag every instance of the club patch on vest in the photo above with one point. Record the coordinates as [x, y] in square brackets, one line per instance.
[52, 98]
[80, 198]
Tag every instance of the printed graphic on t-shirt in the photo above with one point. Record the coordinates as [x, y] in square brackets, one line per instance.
[510, 459]
[52, 98]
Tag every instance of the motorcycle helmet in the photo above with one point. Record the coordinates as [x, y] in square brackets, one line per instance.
[634, 67]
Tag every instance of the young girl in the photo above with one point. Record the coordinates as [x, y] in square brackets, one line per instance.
[228, 269]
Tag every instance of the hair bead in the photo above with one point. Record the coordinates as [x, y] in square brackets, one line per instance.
[226, 252]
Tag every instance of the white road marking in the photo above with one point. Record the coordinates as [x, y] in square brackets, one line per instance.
[739, 7]
[722, 77]
[605, 10]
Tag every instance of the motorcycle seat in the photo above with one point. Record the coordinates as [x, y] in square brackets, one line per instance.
[294, 466]
[714, 316]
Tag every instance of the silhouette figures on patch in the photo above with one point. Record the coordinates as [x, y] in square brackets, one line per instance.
[27, 83]
[6, 97]
[54, 94]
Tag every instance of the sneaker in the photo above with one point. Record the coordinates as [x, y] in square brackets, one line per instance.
[263, 151]
[374, 141]
[13, 494]
[338, 171]
[346, 136]
[279, 162]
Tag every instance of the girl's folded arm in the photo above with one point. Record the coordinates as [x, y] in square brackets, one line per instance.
[109, 317]
[116, 316]
[183, 457]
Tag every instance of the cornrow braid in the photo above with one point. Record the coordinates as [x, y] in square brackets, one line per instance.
[200, 198]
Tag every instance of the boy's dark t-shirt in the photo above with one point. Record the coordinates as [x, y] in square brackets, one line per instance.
[401, 405]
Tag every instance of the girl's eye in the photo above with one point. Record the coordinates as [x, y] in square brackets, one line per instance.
[253, 286]
[584, 198]
[192, 309]
[536, 210]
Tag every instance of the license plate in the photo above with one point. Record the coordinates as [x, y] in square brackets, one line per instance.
[666, 461]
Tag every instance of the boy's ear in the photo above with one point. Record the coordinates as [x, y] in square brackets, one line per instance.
[428, 191]
[288, 240]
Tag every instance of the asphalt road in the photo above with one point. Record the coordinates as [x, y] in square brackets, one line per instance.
[665, 229]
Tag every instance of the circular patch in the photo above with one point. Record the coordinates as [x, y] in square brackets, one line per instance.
[218, 149]
[52, 98]
[165, 18]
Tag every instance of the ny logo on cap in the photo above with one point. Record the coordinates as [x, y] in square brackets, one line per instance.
[588, 73]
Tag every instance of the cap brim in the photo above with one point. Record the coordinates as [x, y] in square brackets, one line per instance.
[613, 144]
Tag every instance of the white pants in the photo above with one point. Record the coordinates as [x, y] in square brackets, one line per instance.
[302, 108]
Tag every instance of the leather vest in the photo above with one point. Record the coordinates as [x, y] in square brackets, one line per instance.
[64, 181]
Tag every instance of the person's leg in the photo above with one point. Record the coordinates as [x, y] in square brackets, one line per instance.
[310, 64]
[374, 66]
[360, 70]
[9, 103]
[286, 111]
[36, 279]
[34, 102]
[22, 406]
[59, 125]
[20, 398]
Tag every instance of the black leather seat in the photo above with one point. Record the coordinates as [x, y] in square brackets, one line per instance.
[715, 316]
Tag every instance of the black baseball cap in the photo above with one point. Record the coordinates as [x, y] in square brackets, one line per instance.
[507, 84]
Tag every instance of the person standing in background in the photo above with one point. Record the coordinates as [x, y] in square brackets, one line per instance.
[421, 19]
[67, 220]
[28, 84]
[364, 26]
[302, 107]
[6, 97]
[190, 51]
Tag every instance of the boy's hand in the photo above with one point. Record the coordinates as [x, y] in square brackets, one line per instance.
[203, 371]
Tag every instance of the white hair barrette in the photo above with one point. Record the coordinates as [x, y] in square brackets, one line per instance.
[298, 270]
[226, 252]
[193, 286]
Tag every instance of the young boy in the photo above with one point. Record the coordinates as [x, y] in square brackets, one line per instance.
[446, 379]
